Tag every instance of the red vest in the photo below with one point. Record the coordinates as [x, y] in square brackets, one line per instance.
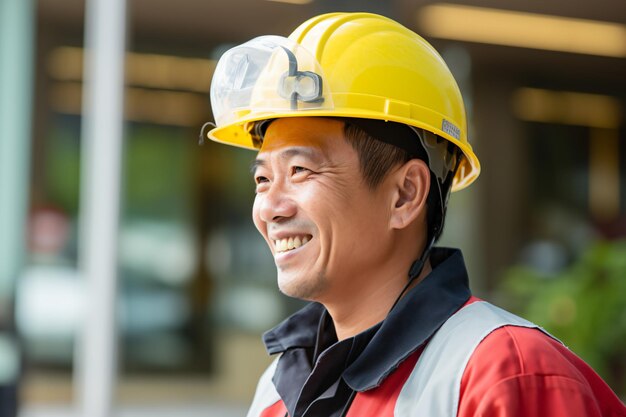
[485, 362]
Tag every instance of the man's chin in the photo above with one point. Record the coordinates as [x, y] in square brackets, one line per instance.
[302, 287]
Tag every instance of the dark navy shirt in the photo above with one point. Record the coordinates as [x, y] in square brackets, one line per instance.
[317, 375]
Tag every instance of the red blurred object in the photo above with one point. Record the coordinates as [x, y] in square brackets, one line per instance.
[49, 231]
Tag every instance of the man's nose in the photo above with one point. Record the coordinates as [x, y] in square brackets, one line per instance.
[276, 204]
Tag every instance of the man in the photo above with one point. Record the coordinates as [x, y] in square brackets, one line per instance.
[362, 135]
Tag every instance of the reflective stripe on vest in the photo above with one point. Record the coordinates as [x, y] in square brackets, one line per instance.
[266, 394]
[434, 386]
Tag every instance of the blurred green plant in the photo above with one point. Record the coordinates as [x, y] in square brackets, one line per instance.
[584, 306]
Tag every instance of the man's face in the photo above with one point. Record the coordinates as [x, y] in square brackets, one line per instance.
[325, 227]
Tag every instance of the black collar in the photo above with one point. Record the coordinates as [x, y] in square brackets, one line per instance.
[412, 322]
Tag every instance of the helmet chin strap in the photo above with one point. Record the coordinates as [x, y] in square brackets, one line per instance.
[416, 269]
[442, 192]
[432, 235]
[418, 265]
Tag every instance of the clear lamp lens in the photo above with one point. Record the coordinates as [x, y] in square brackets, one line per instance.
[267, 75]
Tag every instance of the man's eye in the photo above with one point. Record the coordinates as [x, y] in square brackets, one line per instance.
[297, 169]
[260, 180]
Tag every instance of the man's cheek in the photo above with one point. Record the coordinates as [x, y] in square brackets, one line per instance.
[256, 219]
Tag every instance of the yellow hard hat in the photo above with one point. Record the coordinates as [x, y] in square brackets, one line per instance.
[356, 65]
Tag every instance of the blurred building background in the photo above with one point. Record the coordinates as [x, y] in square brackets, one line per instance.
[542, 230]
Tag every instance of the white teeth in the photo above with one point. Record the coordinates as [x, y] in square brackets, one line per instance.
[283, 245]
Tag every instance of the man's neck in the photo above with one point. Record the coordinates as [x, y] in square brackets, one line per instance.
[367, 307]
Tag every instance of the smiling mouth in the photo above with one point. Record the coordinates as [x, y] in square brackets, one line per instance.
[291, 243]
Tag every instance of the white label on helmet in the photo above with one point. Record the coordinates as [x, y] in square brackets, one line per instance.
[451, 129]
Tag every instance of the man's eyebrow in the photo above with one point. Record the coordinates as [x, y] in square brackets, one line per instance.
[286, 154]
[256, 164]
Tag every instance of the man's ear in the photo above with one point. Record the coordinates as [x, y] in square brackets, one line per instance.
[411, 184]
